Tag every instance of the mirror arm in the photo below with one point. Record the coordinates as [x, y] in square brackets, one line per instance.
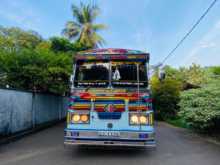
[73, 77]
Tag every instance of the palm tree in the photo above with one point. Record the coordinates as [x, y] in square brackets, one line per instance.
[83, 29]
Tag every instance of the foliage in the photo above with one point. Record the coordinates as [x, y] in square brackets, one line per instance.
[37, 70]
[83, 27]
[59, 44]
[194, 74]
[165, 97]
[44, 46]
[166, 93]
[192, 77]
[178, 122]
[216, 70]
[201, 107]
[198, 108]
[14, 38]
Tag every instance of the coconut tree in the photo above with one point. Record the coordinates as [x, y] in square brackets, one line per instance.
[83, 28]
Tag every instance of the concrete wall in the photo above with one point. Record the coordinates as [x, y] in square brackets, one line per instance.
[20, 111]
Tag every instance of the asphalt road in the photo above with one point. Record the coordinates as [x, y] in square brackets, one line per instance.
[174, 147]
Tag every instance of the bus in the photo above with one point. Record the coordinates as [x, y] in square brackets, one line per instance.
[110, 102]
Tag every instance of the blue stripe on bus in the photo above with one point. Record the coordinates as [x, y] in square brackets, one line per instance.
[125, 130]
[110, 139]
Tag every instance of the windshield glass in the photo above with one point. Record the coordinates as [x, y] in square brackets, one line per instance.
[123, 74]
[92, 74]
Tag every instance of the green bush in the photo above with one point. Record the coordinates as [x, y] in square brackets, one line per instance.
[201, 107]
[216, 70]
[28, 62]
[38, 70]
[165, 97]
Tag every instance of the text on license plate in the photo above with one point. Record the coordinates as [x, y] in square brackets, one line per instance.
[109, 133]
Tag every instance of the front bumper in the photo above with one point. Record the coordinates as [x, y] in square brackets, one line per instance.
[126, 138]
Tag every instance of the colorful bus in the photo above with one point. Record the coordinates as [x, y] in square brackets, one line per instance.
[110, 102]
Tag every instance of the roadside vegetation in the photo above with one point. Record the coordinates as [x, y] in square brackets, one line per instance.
[30, 62]
[189, 98]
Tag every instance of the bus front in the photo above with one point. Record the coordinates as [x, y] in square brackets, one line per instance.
[110, 102]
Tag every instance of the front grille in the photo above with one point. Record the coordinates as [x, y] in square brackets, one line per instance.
[109, 115]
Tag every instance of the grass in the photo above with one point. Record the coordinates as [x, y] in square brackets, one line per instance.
[178, 122]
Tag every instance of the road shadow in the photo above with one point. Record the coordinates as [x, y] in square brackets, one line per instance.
[109, 151]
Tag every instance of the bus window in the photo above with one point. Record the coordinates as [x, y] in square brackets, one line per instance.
[125, 74]
[92, 74]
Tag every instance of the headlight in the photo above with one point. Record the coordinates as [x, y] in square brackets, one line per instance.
[84, 118]
[143, 120]
[75, 118]
[80, 118]
[134, 119]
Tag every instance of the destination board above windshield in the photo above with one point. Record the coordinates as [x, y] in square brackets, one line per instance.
[113, 54]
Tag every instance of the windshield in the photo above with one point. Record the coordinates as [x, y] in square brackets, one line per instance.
[92, 74]
[115, 74]
[125, 74]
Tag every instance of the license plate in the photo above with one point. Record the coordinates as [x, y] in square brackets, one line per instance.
[109, 133]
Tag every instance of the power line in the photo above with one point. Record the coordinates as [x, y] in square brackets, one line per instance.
[190, 31]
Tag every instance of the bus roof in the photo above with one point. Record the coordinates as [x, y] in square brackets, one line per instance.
[114, 54]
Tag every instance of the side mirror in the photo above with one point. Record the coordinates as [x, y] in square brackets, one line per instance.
[162, 75]
[71, 78]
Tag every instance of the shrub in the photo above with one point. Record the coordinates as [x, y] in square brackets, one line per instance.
[201, 107]
[216, 70]
[165, 97]
[36, 70]
[28, 62]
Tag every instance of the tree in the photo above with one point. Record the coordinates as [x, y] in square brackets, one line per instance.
[165, 97]
[195, 75]
[192, 77]
[2, 69]
[39, 70]
[29, 62]
[59, 44]
[14, 38]
[82, 28]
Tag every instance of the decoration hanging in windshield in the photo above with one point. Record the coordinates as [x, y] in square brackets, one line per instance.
[116, 75]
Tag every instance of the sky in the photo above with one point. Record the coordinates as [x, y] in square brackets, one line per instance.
[154, 26]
